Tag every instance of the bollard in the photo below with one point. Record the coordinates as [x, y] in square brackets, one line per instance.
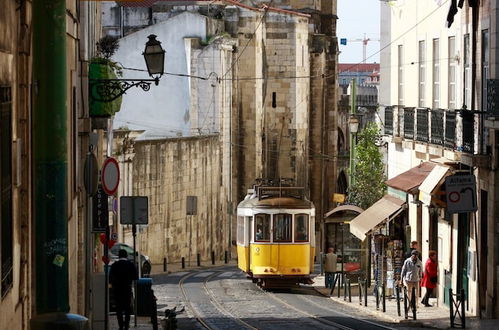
[383, 296]
[397, 294]
[164, 265]
[463, 317]
[365, 294]
[321, 257]
[198, 258]
[377, 296]
[349, 291]
[406, 315]
[212, 257]
[183, 262]
[339, 285]
[226, 257]
[360, 291]
[413, 303]
[344, 288]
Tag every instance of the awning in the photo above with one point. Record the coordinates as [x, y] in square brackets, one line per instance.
[409, 181]
[344, 208]
[431, 182]
[383, 209]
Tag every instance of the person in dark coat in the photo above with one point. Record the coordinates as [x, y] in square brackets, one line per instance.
[429, 280]
[123, 273]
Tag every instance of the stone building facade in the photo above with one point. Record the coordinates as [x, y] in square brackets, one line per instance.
[167, 171]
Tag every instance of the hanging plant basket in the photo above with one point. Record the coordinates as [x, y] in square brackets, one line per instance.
[101, 68]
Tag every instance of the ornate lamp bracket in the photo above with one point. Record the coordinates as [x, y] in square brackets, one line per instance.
[108, 90]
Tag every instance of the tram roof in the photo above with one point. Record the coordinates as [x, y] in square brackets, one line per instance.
[277, 202]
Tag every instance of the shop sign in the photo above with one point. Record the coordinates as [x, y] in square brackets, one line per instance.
[461, 193]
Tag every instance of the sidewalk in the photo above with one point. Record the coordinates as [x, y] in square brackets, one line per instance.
[436, 317]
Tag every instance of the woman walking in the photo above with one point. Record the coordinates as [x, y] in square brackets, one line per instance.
[429, 280]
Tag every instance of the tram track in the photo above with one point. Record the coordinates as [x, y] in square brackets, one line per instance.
[214, 302]
[345, 317]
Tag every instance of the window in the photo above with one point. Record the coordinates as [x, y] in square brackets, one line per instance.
[240, 230]
[5, 189]
[282, 228]
[262, 228]
[436, 74]
[452, 73]
[467, 71]
[301, 228]
[400, 75]
[422, 73]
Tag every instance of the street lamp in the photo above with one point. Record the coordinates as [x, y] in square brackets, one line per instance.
[353, 124]
[108, 90]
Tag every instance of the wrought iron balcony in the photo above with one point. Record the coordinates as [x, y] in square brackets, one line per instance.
[437, 127]
[468, 132]
[493, 97]
[409, 123]
[388, 120]
[422, 128]
[450, 130]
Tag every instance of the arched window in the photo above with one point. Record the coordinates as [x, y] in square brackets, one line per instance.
[341, 140]
[342, 184]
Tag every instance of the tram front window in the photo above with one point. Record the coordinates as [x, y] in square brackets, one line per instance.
[282, 228]
[262, 228]
[301, 228]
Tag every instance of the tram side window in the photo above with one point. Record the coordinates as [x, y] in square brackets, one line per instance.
[262, 228]
[282, 228]
[301, 228]
[240, 230]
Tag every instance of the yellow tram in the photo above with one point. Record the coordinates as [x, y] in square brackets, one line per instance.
[275, 235]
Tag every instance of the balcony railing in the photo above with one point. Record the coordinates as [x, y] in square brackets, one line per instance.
[389, 120]
[455, 130]
[409, 123]
[422, 133]
[468, 121]
[450, 130]
[437, 127]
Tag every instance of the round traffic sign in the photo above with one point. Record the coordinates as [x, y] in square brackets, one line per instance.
[110, 176]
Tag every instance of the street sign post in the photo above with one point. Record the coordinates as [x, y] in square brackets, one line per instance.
[133, 210]
[461, 193]
[110, 176]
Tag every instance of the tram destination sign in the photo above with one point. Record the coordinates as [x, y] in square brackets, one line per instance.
[461, 193]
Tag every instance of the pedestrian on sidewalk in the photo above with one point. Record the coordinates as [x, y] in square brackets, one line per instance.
[429, 280]
[330, 261]
[414, 247]
[123, 273]
[411, 274]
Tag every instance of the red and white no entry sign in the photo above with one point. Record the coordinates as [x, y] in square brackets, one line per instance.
[110, 176]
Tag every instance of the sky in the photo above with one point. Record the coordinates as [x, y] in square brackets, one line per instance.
[356, 18]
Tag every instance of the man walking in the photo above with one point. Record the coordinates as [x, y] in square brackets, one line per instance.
[411, 274]
[123, 273]
[330, 266]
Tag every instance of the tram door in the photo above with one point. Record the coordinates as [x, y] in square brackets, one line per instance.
[282, 235]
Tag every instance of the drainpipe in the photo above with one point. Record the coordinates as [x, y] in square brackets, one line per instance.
[50, 162]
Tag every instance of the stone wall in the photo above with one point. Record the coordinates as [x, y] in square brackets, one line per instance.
[167, 171]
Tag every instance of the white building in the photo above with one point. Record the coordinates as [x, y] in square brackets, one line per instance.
[432, 93]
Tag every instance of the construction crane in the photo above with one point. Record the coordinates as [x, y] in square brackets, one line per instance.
[365, 40]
